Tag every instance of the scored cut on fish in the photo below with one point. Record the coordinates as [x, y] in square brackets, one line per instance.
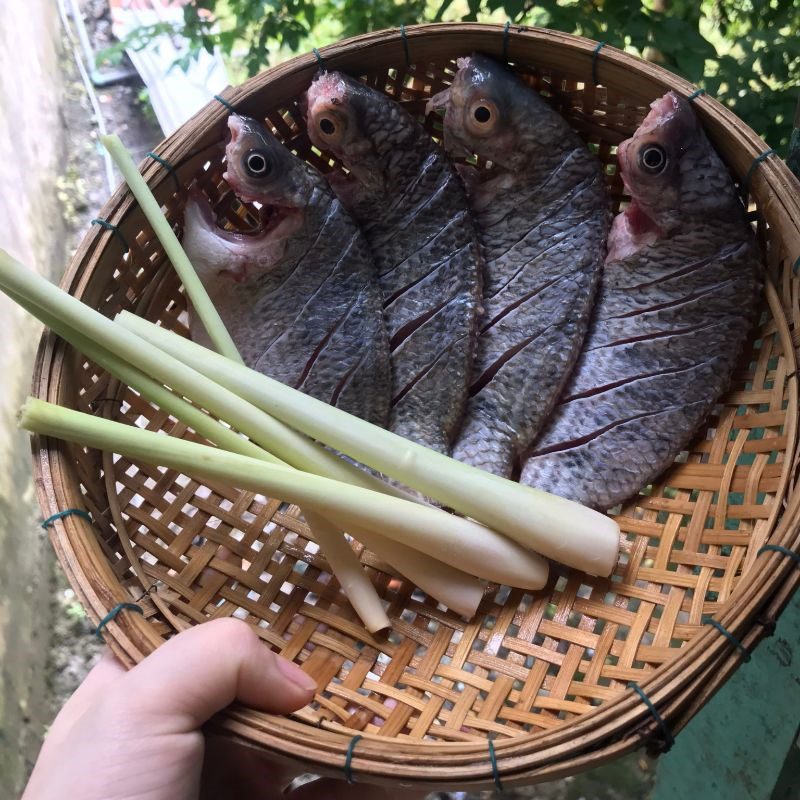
[300, 296]
[674, 310]
[542, 214]
[412, 207]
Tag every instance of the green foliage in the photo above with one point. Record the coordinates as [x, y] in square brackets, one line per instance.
[745, 53]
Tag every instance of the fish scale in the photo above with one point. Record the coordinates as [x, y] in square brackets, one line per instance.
[542, 214]
[595, 413]
[672, 316]
[308, 310]
[413, 210]
[618, 363]
[612, 466]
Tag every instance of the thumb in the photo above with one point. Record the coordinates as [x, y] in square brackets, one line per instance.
[205, 668]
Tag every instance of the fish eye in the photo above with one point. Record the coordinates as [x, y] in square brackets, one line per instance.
[331, 125]
[482, 118]
[653, 159]
[257, 164]
[482, 114]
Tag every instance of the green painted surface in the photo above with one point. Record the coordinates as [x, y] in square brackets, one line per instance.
[741, 746]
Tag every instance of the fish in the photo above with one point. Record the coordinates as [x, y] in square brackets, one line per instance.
[676, 303]
[300, 295]
[543, 214]
[412, 207]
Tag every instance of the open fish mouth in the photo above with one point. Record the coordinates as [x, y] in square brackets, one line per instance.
[268, 219]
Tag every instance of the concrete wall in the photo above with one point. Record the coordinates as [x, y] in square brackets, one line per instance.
[31, 152]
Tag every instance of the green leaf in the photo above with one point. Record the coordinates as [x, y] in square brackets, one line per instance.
[473, 6]
[691, 64]
[512, 8]
[226, 40]
[749, 43]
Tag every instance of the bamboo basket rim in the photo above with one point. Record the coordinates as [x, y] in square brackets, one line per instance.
[619, 724]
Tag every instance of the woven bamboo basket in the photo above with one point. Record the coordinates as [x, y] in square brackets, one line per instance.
[540, 679]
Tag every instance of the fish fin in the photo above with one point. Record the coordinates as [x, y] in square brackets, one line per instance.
[347, 187]
[469, 175]
[483, 193]
[438, 102]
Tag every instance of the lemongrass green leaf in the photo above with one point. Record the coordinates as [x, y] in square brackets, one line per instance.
[465, 544]
[201, 302]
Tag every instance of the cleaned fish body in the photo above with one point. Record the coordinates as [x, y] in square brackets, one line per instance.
[300, 298]
[412, 207]
[673, 312]
[542, 215]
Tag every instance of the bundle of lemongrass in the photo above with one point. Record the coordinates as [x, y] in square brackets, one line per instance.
[269, 438]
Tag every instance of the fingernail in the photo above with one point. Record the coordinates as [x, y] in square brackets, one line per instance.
[295, 674]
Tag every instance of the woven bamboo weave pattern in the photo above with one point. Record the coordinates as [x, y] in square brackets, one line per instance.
[531, 670]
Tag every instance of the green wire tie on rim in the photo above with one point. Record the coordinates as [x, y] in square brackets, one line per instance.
[164, 163]
[506, 37]
[94, 404]
[98, 631]
[779, 548]
[669, 739]
[104, 223]
[595, 54]
[404, 37]
[756, 161]
[796, 265]
[695, 94]
[495, 770]
[347, 769]
[78, 512]
[224, 103]
[730, 637]
[318, 56]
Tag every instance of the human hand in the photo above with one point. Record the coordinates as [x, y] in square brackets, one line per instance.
[136, 735]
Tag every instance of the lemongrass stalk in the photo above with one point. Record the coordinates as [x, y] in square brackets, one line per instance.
[196, 292]
[51, 307]
[347, 568]
[463, 543]
[341, 558]
[553, 526]
[458, 591]
[275, 437]
[343, 561]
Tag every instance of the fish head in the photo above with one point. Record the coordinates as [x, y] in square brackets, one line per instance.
[261, 169]
[671, 170]
[217, 255]
[490, 112]
[350, 121]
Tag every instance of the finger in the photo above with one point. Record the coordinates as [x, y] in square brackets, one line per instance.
[205, 668]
